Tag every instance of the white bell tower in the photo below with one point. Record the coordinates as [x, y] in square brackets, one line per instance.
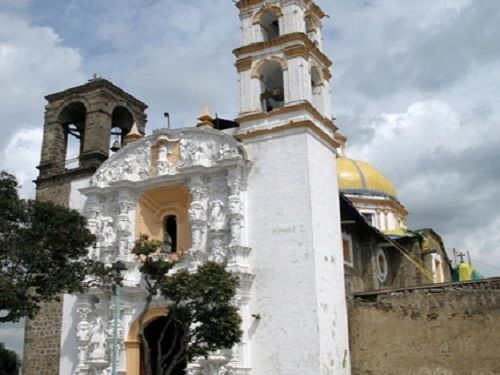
[284, 74]
[293, 207]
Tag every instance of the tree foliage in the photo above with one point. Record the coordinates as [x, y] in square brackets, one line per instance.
[199, 308]
[9, 361]
[43, 250]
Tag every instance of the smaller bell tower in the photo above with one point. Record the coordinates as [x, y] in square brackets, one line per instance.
[83, 122]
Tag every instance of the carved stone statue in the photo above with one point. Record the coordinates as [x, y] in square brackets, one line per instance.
[163, 152]
[166, 247]
[217, 216]
[97, 345]
[129, 167]
[108, 231]
[143, 160]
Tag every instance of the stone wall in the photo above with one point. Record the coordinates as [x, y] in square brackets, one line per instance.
[42, 341]
[42, 334]
[447, 329]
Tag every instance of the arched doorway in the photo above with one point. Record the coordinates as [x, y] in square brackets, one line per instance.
[164, 341]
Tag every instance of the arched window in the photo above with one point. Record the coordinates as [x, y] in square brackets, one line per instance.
[72, 119]
[121, 123]
[169, 234]
[269, 26]
[272, 90]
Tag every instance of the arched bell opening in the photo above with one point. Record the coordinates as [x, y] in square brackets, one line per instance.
[72, 119]
[272, 94]
[121, 123]
[269, 25]
[164, 337]
[316, 88]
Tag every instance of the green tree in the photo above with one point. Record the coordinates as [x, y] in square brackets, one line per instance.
[43, 250]
[9, 361]
[200, 312]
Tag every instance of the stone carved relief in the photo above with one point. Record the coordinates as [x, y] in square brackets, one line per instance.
[228, 152]
[217, 215]
[196, 211]
[197, 214]
[97, 344]
[107, 232]
[163, 166]
[234, 206]
[197, 193]
[194, 153]
[235, 231]
[83, 331]
[144, 160]
[131, 166]
[83, 326]
[197, 236]
[197, 148]
[123, 224]
[217, 251]
[93, 225]
[234, 181]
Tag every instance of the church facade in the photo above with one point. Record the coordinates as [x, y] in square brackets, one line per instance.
[259, 195]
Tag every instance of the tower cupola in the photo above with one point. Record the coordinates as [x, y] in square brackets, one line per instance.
[284, 74]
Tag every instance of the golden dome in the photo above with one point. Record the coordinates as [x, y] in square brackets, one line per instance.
[356, 176]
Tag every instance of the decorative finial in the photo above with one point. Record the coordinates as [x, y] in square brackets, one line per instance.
[205, 118]
[133, 135]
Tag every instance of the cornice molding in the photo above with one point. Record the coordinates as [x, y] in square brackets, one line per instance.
[291, 125]
[310, 47]
[305, 105]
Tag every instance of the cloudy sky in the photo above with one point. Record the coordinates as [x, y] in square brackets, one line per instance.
[415, 88]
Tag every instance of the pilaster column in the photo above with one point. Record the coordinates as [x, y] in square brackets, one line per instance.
[83, 336]
[124, 224]
[198, 220]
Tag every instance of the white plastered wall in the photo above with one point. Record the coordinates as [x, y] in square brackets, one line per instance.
[294, 231]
